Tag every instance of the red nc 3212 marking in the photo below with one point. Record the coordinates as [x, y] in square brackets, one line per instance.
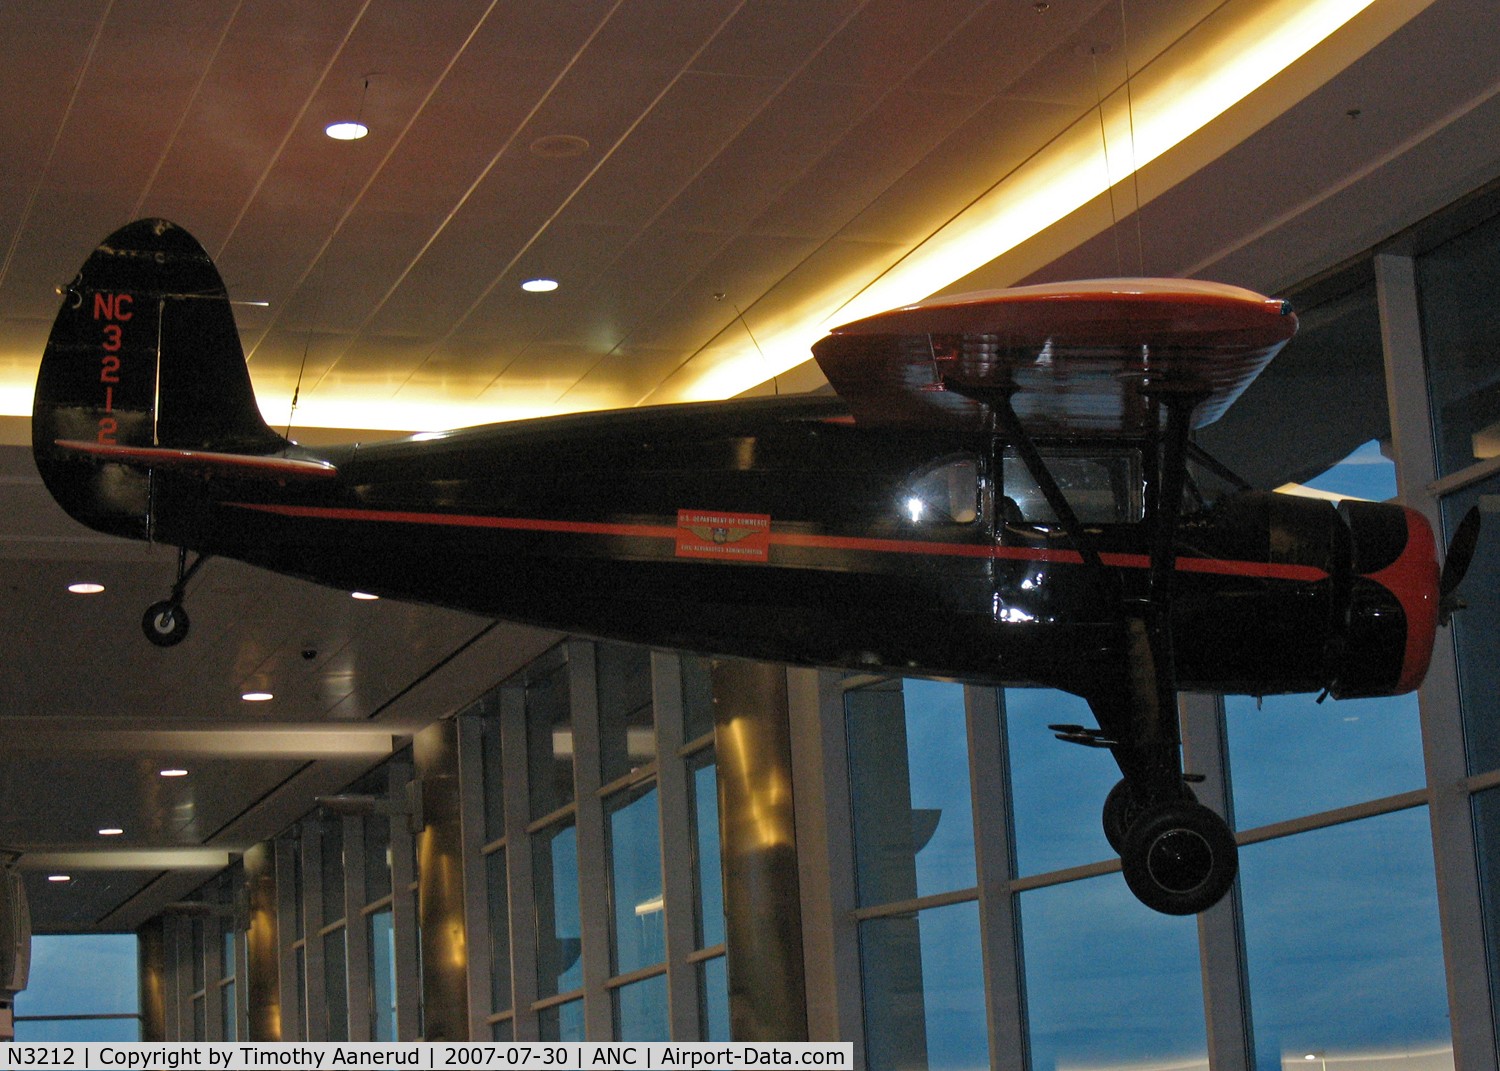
[111, 307]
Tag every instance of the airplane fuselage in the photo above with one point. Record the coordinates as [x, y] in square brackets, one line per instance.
[778, 529]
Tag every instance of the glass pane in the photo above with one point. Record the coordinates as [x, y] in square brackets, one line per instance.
[697, 697]
[641, 1010]
[713, 999]
[499, 900]
[1486, 806]
[198, 943]
[300, 1013]
[1295, 756]
[924, 990]
[494, 779]
[1476, 630]
[1058, 788]
[298, 908]
[382, 977]
[709, 875]
[1321, 397]
[627, 727]
[909, 784]
[1109, 982]
[1342, 945]
[549, 741]
[1103, 487]
[230, 1023]
[81, 974]
[505, 1030]
[377, 858]
[68, 1031]
[1459, 284]
[559, 943]
[561, 1022]
[336, 986]
[635, 873]
[226, 963]
[333, 869]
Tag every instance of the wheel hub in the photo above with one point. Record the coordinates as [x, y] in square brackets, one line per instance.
[1180, 860]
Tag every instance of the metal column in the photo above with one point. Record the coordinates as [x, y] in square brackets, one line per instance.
[1459, 907]
[440, 895]
[757, 826]
[262, 982]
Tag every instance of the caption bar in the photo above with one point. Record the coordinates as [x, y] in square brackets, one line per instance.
[542, 1056]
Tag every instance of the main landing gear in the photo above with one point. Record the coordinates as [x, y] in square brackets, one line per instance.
[166, 623]
[1178, 857]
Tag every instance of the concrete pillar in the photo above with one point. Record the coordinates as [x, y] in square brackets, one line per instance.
[762, 898]
[440, 886]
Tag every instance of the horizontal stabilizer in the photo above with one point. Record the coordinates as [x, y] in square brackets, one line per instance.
[206, 462]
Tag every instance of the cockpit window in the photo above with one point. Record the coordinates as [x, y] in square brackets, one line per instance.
[1102, 486]
[946, 493]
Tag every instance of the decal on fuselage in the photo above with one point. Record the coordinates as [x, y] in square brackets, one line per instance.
[744, 537]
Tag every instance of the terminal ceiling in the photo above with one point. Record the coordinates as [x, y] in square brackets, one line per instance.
[672, 165]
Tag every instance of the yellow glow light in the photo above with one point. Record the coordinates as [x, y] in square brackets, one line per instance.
[1229, 55]
[1214, 67]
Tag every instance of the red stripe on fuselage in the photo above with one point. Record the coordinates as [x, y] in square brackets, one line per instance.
[1264, 570]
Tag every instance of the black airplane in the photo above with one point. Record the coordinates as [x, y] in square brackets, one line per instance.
[1003, 490]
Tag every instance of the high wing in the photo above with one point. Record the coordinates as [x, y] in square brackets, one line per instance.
[1077, 358]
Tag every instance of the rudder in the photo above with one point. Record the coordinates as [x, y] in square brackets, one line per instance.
[144, 352]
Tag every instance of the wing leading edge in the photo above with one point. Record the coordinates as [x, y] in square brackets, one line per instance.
[1078, 358]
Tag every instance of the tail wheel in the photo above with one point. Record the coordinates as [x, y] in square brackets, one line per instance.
[165, 623]
[1179, 858]
[1121, 809]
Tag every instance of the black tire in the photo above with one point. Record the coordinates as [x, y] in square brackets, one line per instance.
[165, 623]
[1121, 810]
[1180, 858]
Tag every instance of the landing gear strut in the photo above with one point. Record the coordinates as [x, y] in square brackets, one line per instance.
[166, 623]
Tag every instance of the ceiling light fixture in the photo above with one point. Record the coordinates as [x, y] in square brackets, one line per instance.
[346, 131]
[174, 773]
[363, 595]
[59, 877]
[558, 146]
[257, 697]
[85, 589]
[539, 286]
[111, 832]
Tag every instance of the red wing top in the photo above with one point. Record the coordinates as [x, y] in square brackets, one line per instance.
[1079, 357]
[242, 466]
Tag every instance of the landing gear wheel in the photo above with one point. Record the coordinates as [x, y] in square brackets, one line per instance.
[165, 623]
[1121, 810]
[1180, 858]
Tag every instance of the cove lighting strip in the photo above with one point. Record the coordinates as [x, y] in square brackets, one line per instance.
[1221, 61]
[1237, 49]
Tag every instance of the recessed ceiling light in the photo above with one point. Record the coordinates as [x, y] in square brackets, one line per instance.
[539, 286]
[346, 131]
[110, 832]
[363, 595]
[257, 697]
[59, 877]
[174, 773]
[557, 146]
[85, 589]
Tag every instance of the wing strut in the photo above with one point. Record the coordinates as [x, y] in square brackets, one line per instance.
[997, 401]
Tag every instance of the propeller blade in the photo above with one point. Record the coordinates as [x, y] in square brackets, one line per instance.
[1460, 553]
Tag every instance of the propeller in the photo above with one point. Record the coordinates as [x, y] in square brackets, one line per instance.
[1456, 564]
